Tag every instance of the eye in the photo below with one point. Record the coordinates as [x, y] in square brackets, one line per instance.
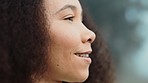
[69, 18]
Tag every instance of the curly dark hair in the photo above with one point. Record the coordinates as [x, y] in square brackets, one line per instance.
[24, 39]
[101, 69]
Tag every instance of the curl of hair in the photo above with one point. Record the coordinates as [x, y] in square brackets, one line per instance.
[101, 69]
[24, 40]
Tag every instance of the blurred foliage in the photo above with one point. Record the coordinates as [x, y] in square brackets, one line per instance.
[120, 35]
[124, 25]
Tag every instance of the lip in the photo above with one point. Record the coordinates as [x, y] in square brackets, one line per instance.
[85, 59]
[85, 52]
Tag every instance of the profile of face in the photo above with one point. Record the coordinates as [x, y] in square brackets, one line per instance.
[70, 42]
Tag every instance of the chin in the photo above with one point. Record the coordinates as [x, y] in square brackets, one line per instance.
[83, 79]
[83, 76]
[79, 77]
[76, 80]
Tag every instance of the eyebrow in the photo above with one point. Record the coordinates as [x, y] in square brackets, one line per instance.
[66, 7]
[69, 6]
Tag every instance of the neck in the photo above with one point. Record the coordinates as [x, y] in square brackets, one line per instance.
[48, 81]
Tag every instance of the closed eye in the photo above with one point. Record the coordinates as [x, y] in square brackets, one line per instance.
[69, 18]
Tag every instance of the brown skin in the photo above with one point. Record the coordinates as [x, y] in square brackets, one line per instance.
[24, 41]
[68, 35]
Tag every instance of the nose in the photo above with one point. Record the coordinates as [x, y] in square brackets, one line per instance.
[87, 35]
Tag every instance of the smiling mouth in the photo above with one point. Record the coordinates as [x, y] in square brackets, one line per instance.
[82, 55]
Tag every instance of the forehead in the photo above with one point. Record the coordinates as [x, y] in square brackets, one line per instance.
[52, 6]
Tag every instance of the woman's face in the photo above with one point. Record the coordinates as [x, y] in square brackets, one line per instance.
[70, 43]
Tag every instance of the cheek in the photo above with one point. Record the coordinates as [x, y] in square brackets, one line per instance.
[69, 39]
[66, 38]
[64, 42]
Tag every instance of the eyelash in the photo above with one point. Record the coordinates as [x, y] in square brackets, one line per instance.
[70, 18]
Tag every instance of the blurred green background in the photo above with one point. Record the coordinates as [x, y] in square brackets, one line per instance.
[124, 25]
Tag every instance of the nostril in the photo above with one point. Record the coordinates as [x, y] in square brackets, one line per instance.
[89, 40]
[88, 37]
